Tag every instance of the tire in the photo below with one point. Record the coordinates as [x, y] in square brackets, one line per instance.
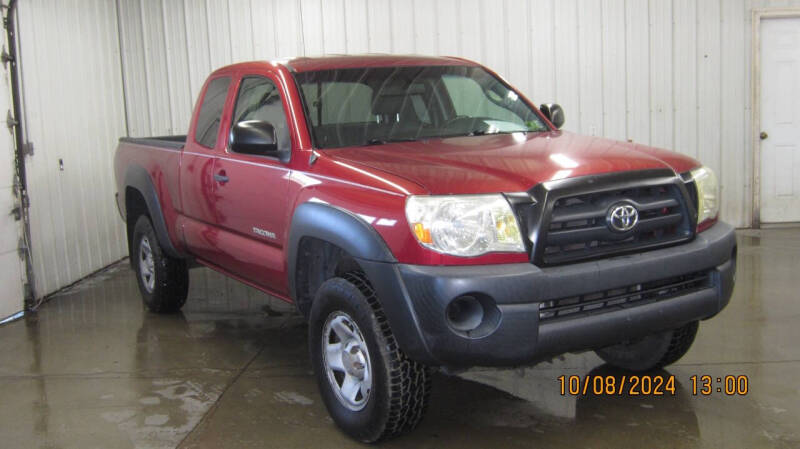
[163, 280]
[394, 390]
[651, 352]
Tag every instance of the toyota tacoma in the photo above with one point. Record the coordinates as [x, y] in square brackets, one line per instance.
[421, 212]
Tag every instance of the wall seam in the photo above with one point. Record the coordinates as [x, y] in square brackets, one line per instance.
[122, 67]
[166, 69]
[145, 65]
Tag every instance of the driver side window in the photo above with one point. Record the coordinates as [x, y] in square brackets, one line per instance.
[259, 99]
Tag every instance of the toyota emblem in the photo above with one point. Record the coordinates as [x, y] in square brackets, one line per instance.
[622, 217]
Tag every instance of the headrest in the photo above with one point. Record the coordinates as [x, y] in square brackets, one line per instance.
[387, 104]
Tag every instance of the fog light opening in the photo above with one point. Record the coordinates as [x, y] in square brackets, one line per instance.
[473, 315]
[465, 313]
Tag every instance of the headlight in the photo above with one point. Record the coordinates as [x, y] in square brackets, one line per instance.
[464, 225]
[707, 194]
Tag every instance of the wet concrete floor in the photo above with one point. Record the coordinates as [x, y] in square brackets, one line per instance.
[93, 369]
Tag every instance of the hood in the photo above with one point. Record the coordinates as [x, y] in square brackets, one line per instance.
[507, 162]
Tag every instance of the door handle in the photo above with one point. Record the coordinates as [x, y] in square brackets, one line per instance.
[220, 177]
[763, 135]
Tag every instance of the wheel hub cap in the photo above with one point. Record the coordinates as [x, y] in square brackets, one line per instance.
[147, 267]
[346, 360]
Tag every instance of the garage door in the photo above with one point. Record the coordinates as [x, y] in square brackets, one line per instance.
[11, 300]
[780, 120]
[74, 114]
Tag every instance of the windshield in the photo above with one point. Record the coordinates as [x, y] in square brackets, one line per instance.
[371, 106]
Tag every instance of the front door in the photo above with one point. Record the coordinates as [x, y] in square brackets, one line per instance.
[780, 120]
[251, 192]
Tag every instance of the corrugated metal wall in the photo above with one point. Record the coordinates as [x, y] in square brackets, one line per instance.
[74, 113]
[671, 73]
[11, 267]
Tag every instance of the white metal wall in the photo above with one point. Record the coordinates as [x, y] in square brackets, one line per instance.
[74, 113]
[11, 267]
[671, 73]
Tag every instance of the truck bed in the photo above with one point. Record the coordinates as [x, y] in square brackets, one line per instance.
[171, 142]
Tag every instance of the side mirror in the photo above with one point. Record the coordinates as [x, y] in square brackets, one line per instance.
[554, 113]
[254, 137]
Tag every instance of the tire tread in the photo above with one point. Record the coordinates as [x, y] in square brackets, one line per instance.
[409, 381]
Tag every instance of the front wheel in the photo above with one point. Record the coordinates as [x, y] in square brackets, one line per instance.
[371, 389]
[651, 352]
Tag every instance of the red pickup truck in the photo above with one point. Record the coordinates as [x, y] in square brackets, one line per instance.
[421, 213]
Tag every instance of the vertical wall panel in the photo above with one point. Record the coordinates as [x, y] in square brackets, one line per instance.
[614, 73]
[684, 50]
[11, 265]
[313, 35]
[709, 74]
[447, 27]
[661, 67]
[262, 21]
[288, 32]
[355, 24]
[637, 60]
[542, 57]
[590, 57]
[133, 65]
[567, 88]
[74, 112]
[177, 59]
[334, 30]
[471, 29]
[403, 41]
[735, 164]
[425, 24]
[519, 43]
[220, 39]
[379, 25]
[197, 49]
[241, 27]
[155, 67]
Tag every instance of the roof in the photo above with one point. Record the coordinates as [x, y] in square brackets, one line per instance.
[331, 62]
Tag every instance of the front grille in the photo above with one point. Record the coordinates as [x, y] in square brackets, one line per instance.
[578, 230]
[623, 297]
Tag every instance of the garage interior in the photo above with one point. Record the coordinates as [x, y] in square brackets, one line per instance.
[82, 364]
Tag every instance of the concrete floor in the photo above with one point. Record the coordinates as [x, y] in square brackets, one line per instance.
[92, 369]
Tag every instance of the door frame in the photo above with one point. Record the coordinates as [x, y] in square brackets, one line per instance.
[755, 88]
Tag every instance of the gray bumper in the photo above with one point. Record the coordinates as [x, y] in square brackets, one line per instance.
[415, 297]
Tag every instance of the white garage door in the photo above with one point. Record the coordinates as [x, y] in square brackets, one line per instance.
[780, 120]
[11, 296]
[74, 114]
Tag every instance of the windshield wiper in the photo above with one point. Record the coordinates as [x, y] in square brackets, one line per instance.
[385, 141]
[480, 132]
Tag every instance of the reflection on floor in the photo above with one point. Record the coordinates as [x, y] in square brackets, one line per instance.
[93, 369]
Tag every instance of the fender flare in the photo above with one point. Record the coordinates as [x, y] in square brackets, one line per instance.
[137, 178]
[362, 242]
[336, 226]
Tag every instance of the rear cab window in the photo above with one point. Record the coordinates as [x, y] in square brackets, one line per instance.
[210, 115]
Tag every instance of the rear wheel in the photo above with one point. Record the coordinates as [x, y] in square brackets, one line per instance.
[163, 280]
[371, 389]
[653, 351]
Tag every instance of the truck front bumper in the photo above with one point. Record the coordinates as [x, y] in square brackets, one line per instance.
[415, 299]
